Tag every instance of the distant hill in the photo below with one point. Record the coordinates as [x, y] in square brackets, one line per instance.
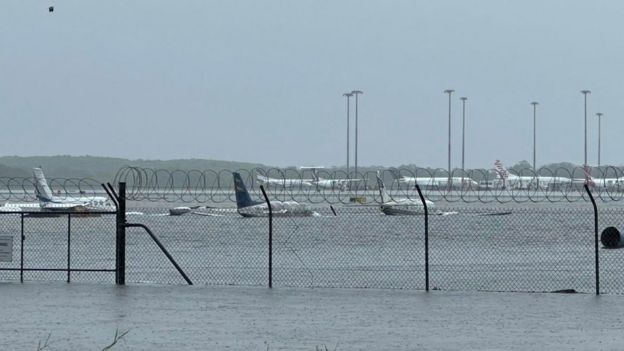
[10, 172]
[103, 168]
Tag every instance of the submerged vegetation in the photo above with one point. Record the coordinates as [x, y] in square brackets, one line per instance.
[116, 338]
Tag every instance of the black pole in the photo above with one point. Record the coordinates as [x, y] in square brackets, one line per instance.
[69, 247]
[356, 135]
[120, 259]
[266, 198]
[422, 198]
[595, 239]
[22, 237]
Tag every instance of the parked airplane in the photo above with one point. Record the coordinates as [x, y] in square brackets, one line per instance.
[246, 207]
[50, 202]
[285, 183]
[438, 182]
[341, 184]
[529, 182]
[393, 207]
[601, 183]
[511, 180]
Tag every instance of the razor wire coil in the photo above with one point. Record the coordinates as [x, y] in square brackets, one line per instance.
[338, 187]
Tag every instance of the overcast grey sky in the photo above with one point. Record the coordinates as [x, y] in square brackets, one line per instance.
[262, 81]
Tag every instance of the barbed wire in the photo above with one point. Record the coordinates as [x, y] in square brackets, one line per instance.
[318, 186]
[23, 189]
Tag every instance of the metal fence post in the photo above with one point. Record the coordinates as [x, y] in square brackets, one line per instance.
[69, 247]
[266, 198]
[595, 239]
[22, 237]
[422, 198]
[120, 242]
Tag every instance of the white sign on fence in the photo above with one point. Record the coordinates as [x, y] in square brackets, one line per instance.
[6, 248]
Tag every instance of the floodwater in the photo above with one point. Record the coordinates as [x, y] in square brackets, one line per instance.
[380, 259]
[86, 316]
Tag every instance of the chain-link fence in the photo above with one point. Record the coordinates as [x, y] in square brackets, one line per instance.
[612, 257]
[492, 249]
[343, 247]
[503, 248]
[520, 249]
[57, 246]
[215, 247]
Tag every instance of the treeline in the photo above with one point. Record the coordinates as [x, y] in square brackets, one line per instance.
[103, 169]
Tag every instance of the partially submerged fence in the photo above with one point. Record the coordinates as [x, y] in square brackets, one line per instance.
[57, 245]
[467, 248]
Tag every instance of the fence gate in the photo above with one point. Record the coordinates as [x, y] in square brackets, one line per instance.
[66, 246]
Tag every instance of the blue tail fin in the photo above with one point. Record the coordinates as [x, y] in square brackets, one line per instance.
[242, 196]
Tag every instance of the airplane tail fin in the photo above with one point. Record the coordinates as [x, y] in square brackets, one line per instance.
[501, 170]
[382, 190]
[315, 175]
[589, 180]
[42, 190]
[242, 196]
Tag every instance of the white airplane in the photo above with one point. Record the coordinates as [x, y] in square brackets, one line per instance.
[285, 183]
[48, 201]
[393, 207]
[331, 184]
[511, 180]
[601, 183]
[246, 207]
[439, 182]
[527, 182]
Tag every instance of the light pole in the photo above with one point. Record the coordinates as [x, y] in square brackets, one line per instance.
[356, 93]
[534, 103]
[463, 99]
[599, 118]
[585, 92]
[449, 92]
[348, 95]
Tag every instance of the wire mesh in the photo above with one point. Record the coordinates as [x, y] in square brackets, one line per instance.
[519, 249]
[212, 247]
[502, 248]
[496, 249]
[10, 231]
[611, 259]
[58, 243]
[358, 247]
